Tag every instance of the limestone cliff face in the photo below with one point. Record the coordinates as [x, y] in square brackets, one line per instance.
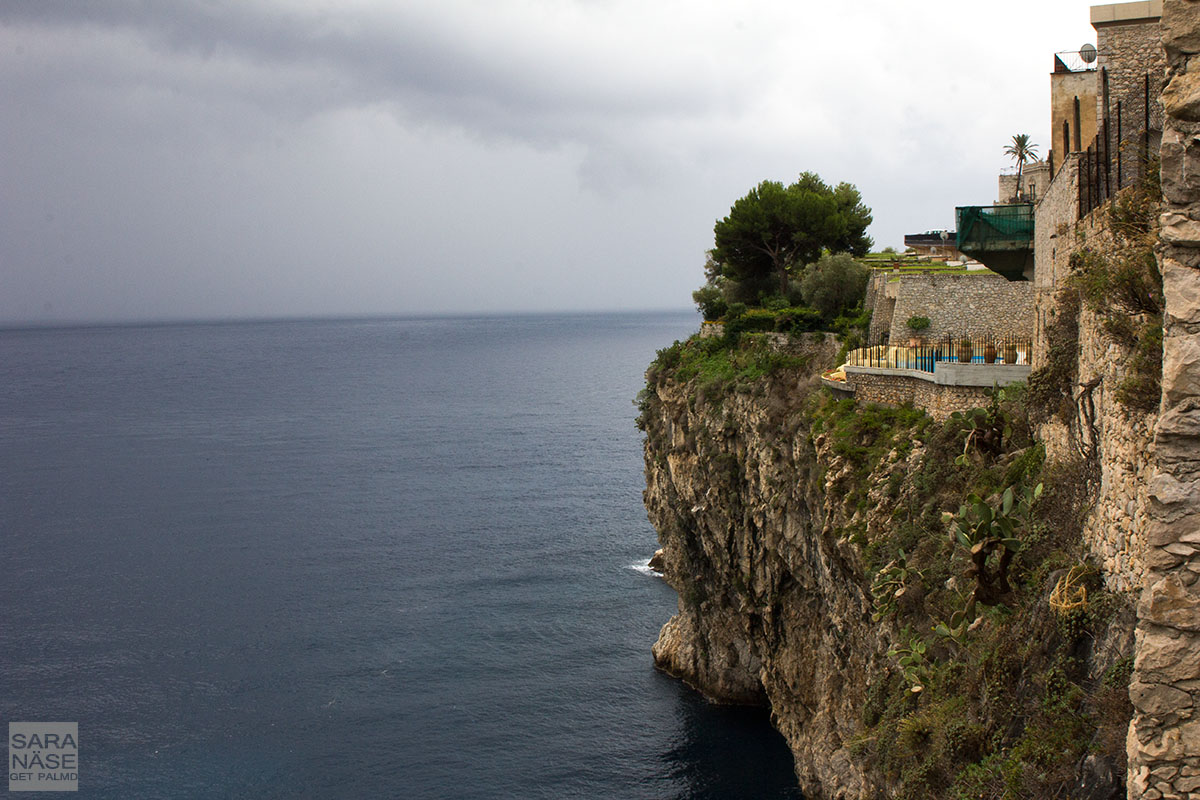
[773, 606]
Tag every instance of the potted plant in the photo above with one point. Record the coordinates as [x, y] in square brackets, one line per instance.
[916, 326]
[989, 352]
[1010, 352]
[965, 351]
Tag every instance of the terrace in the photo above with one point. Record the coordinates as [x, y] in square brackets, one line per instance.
[951, 374]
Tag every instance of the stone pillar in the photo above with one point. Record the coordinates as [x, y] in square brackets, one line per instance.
[1164, 736]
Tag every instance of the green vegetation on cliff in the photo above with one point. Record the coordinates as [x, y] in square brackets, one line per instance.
[999, 663]
[998, 689]
[716, 366]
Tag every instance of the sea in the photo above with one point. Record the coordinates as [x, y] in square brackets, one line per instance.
[373, 558]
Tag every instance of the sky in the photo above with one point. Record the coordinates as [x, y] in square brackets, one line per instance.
[215, 159]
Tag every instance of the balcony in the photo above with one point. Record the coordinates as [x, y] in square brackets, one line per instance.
[1001, 237]
[1082, 60]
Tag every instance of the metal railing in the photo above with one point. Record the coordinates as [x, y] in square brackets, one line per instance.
[1075, 61]
[1127, 138]
[924, 354]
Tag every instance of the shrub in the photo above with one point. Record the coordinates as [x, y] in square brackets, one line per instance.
[775, 302]
[917, 324]
[711, 302]
[1051, 387]
[798, 320]
[754, 320]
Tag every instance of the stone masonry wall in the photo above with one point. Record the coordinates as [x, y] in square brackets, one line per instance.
[963, 305]
[1115, 531]
[1121, 439]
[1128, 50]
[1164, 737]
[1053, 240]
[939, 401]
[875, 285]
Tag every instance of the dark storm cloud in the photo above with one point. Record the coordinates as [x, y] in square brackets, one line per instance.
[417, 63]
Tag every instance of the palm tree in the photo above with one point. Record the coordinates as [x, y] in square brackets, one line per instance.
[1021, 150]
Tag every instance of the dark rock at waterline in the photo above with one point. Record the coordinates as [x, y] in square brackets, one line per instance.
[656, 561]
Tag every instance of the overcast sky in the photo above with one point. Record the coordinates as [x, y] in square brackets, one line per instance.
[247, 158]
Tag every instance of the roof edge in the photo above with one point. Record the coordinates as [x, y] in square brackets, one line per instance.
[1126, 12]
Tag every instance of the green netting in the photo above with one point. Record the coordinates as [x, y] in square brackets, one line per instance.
[999, 236]
[993, 228]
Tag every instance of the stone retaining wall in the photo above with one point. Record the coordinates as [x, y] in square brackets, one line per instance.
[963, 305]
[939, 401]
[1164, 737]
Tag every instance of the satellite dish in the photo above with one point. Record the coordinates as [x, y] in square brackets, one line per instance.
[1088, 53]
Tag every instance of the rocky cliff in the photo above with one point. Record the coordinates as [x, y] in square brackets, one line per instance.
[772, 605]
[807, 543]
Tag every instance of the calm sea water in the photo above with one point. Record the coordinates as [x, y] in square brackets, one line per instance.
[349, 559]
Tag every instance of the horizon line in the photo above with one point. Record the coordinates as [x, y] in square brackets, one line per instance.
[153, 322]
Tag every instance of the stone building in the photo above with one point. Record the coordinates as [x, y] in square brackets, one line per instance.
[1035, 177]
[1073, 107]
[1109, 122]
